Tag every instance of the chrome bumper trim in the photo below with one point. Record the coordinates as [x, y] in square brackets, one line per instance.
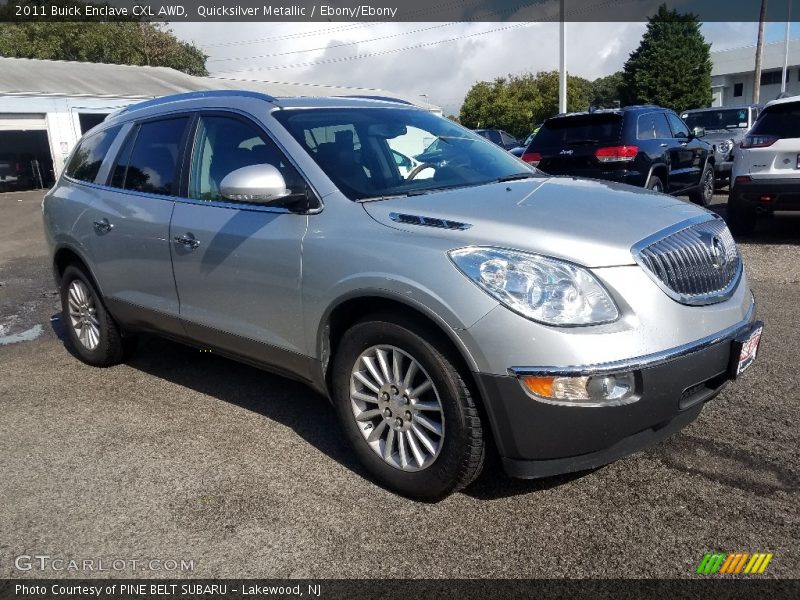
[641, 362]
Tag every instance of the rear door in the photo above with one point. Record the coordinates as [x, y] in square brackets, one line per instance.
[238, 265]
[686, 155]
[568, 144]
[129, 241]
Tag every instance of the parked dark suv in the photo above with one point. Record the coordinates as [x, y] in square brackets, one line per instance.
[646, 146]
[499, 137]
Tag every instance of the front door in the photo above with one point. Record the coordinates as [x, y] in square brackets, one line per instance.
[684, 171]
[238, 265]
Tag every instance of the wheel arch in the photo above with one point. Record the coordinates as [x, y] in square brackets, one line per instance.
[65, 256]
[348, 309]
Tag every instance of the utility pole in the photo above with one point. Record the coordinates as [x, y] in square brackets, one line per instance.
[562, 73]
[786, 45]
[759, 51]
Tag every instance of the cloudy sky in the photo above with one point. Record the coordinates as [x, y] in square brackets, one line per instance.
[439, 61]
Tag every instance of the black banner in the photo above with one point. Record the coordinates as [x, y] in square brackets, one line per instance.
[381, 10]
[709, 587]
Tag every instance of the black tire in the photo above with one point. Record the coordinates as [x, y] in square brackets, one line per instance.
[704, 193]
[463, 448]
[741, 220]
[112, 348]
[655, 183]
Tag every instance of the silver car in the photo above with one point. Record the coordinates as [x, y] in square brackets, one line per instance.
[469, 303]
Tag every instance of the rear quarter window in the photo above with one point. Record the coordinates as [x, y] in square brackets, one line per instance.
[577, 130]
[780, 120]
[89, 155]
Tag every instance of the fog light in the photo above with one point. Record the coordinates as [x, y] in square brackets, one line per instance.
[613, 389]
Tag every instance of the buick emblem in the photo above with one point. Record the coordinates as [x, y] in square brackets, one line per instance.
[717, 251]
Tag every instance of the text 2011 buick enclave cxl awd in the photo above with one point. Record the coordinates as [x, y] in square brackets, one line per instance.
[471, 301]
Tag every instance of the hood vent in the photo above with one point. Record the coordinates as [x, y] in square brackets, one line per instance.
[427, 221]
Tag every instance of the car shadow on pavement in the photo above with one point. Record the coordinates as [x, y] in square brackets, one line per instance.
[289, 403]
[781, 229]
[727, 464]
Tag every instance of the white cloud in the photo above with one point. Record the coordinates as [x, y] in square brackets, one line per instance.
[443, 72]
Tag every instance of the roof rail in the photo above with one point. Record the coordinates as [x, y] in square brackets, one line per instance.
[383, 98]
[194, 95]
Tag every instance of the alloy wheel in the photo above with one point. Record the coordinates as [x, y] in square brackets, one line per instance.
[83, 314]
[397, 407]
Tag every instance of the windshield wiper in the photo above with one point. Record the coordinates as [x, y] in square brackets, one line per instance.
[515, 177]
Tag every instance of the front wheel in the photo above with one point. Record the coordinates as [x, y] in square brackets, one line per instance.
[704, 194]
[406, 410]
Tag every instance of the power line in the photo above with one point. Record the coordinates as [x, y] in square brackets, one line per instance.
[385, 37]
[379, 53]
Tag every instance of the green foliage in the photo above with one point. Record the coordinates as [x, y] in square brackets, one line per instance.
[128, 43]
[672, 65]
[518, 103]
[608, 91]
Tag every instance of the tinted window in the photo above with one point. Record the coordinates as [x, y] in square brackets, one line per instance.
[679, 129]
[717, 120]
[507, 139]
[89, 155]
[224, 144]
[148, 162]
[598, 128]
[646, 127]
[779, 120]
[455, 157]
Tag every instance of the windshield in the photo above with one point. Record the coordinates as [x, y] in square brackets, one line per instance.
[711, 120]
[357, 149]
[574, 130]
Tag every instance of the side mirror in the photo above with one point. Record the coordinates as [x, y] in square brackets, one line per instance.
[698, 132]
[256, 183]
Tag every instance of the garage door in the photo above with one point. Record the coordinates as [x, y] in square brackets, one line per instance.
[22, 122]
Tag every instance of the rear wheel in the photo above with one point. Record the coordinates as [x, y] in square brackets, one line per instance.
[655, 184]
[704, 194]
[92, 332]
[406, 410]
[741, 220]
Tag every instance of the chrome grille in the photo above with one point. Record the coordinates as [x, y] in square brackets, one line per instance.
[696, 264]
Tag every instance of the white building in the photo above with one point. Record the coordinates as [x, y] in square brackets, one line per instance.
[732, 73]
[45, 106]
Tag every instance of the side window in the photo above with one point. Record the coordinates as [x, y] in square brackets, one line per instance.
[224, 144]
[679, 129]
[661, 126]
[494, 136]
[88, 157]
[507, 139]
[646, 129]
[149, 160]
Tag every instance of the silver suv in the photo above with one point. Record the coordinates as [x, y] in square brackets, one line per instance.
[470, 303]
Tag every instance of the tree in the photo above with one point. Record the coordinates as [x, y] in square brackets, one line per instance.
[608, 91]
[672, 65]
[122, 42]
[518, 103]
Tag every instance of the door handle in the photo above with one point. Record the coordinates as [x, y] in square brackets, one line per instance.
[663, 145]
[103, 226]
[187, 240]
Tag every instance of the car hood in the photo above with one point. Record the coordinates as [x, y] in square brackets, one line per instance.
[592, 223]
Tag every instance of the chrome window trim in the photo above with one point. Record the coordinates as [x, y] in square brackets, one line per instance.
[689, 300]
[641, 362]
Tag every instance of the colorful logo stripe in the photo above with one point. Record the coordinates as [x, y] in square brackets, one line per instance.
[734, 563]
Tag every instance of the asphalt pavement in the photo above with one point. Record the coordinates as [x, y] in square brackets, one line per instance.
[183, 455]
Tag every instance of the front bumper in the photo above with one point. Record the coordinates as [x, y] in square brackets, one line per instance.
[536, 439]
[767, 194]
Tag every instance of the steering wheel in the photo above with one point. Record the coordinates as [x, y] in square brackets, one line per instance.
[418, 169]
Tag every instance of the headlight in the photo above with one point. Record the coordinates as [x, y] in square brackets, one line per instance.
[725, 146]
[543, 289]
